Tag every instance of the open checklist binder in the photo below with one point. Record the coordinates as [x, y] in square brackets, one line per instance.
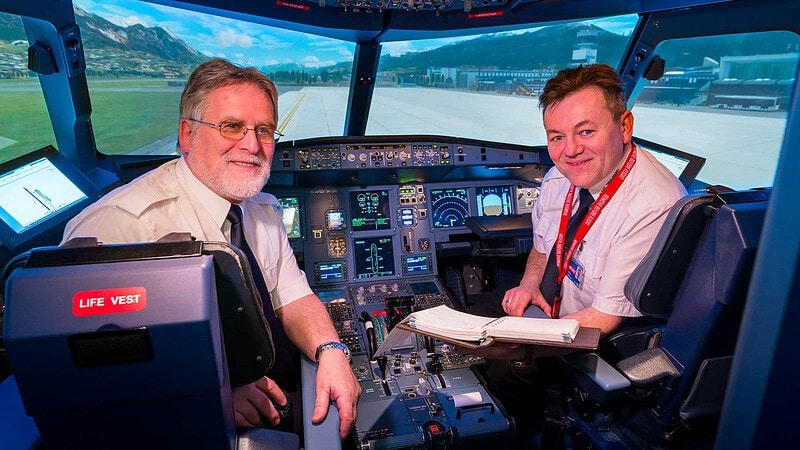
[471, 331]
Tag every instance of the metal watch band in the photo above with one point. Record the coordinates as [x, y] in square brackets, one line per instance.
[333, 344]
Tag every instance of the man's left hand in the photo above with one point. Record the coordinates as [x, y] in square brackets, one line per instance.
[336, 383]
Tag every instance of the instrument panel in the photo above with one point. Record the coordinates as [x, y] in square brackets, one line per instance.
[389, 232]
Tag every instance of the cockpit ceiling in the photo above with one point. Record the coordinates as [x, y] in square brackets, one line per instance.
[477, 7]
[391, 20]
[434, 6]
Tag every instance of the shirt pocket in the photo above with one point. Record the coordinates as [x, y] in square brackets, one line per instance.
[594, 263]
[544, 235]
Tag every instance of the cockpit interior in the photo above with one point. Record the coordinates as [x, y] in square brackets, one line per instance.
[411, 156]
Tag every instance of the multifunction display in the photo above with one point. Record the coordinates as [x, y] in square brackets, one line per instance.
[374, 257]
[369, 210]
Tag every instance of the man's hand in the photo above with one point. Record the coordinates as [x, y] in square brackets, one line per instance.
[336, 383]
[517, 299]
[254, 403]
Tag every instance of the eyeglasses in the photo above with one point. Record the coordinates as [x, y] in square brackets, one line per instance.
[235, 131]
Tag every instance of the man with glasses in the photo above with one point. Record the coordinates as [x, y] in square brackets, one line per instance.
[226, 136]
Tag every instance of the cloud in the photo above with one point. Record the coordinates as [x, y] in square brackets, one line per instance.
[397, 48]
[620, 24]
[346, 52]
[230, 38]
[126, 21]
[270, 41]
[312, 62]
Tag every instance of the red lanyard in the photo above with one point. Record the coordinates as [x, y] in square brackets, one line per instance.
[562, 261]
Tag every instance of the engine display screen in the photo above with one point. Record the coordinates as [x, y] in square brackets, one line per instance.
[374, 257]
[369, 210]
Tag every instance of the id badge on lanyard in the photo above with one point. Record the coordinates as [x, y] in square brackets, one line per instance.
[566, 266]
[575, 272]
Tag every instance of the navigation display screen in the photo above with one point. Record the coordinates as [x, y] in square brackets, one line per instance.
[494, 200]
[369, 210]
[374, 257]
[31, 193]
[450, 207]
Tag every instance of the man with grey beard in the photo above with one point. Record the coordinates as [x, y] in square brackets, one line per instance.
[226, 137]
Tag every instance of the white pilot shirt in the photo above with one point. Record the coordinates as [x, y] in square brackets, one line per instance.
[171, 199]
[619, 238]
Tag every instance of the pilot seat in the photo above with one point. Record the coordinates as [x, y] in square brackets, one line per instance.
[137, 346]
[662, 385]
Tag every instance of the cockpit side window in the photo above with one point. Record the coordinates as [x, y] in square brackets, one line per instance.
[25, 126]
[724, 98]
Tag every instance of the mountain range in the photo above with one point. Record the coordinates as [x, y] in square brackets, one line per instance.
[110, 48]
[156, 41]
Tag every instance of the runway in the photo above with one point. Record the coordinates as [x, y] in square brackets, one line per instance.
[741, 148]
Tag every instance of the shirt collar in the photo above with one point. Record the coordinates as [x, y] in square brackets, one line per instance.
[598, 188]
[217, 206]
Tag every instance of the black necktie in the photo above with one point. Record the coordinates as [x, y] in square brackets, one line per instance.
[550, 276]
[284, 371]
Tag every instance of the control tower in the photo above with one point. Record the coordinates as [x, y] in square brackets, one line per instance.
[585, 50]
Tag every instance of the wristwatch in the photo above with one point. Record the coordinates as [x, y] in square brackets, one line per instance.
[333, 344]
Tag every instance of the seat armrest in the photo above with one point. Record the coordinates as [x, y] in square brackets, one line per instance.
[598, 370]
[324, 435]
[595, 376]
[647, 367]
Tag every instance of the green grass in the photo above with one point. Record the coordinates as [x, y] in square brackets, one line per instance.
[122, 120]
[23, 118]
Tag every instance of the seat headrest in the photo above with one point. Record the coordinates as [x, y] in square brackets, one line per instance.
[655, 281]
[249, 351]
